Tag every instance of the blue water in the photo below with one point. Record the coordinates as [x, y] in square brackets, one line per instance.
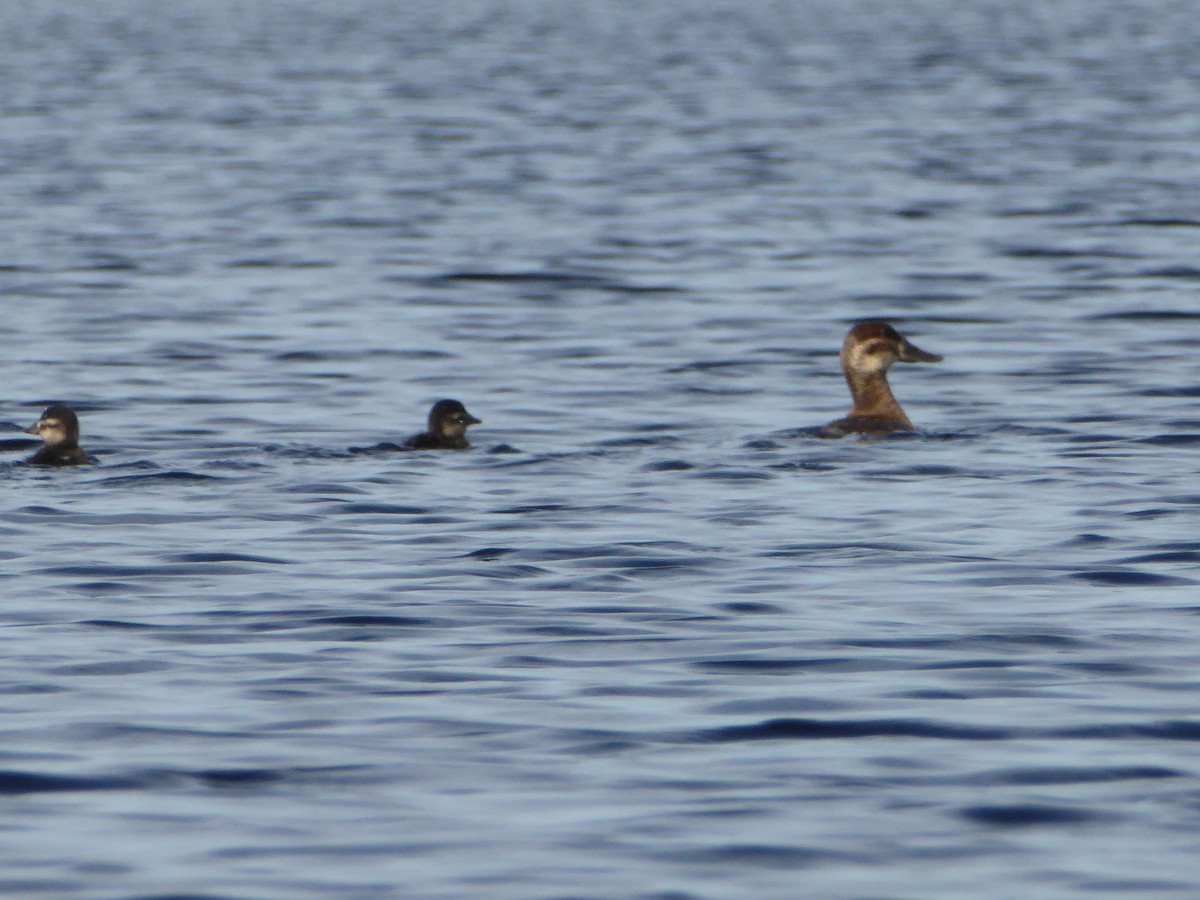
[649, 638]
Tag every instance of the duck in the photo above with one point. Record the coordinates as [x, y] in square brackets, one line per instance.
[58, 427]
[448, 423]
[868, 352]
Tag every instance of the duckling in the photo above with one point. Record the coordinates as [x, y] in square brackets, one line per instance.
[867, 353]
[448, 423]
[58, 427]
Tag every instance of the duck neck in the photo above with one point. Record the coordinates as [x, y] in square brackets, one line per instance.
[873, 397]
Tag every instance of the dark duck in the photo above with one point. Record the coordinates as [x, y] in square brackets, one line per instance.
[448, 423]
[868, 352]
[58, 427]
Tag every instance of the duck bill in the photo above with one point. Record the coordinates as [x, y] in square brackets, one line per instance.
[35, 428]
[471, 420]
[911, 353]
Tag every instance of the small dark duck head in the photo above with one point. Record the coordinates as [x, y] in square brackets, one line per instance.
[58, 427]
[449, 419]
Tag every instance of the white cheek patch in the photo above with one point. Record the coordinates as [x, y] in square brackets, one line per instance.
[862, 360]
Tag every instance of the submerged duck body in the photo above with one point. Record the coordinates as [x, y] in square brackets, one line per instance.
[58, 427]
[868, 352]
[448, 424]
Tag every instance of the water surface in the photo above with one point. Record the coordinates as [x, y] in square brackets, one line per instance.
[650, 637]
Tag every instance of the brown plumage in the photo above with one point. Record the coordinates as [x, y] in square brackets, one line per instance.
[868, 352]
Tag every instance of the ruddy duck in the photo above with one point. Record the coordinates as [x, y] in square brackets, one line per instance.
[448, 423]
[59, 428]
[867, 353]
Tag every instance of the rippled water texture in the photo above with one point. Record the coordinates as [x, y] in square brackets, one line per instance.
[650, 637]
